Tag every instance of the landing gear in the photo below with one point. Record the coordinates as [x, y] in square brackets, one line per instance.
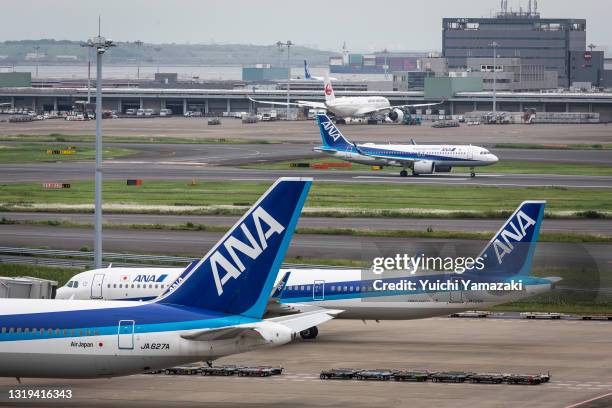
[403, 173]
[310, 334]
[472, 173]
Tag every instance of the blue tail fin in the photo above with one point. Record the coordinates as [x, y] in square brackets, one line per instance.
[331, 135]
[237, 275]
[306, 71]
[510, 252]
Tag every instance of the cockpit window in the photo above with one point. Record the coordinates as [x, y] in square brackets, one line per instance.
[75, 284]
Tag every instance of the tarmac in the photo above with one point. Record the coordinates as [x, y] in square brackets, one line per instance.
[577, 354]
[306, 131]
[121, 170]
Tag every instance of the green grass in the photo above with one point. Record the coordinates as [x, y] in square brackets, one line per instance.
[586, 300]
[565, 237]
[361, 199]
[504, 166]
[28, 152]
[58, 137]
[575, 146]
[59, 274]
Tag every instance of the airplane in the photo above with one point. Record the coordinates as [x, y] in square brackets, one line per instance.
[314, 78]
[421, 159]
[507, 256]
[213, 309]
[353, 106]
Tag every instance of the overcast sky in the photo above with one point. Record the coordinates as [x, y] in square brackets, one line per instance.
[364, 25]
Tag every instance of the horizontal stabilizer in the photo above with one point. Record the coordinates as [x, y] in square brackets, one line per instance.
[303, 321]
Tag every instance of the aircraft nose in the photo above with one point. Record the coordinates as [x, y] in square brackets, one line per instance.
[494, 158]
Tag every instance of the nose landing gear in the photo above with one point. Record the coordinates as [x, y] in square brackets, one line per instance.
[472, 173]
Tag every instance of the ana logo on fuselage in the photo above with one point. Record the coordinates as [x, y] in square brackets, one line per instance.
[503, 244]
[149, 278]
[252, 249]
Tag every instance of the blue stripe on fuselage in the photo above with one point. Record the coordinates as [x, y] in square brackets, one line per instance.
[396, 154]
[151, 317]
[296, 296]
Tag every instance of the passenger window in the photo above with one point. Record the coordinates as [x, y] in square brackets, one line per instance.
[114, 285]
[87, 332]
[26, 330]
[108, 285]
[4, 330]
[58, 332]
[345, 288]
[333, 288]
[132, 286]
[150, 286]
[34, 330]
[19, 330]
[49, 332]
[72, 332]
[11, 330]
[96, 332]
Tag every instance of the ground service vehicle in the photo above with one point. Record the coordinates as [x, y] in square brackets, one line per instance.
[451, 376]
[381, 375]
[491, 378]
[225, 370]
[418, 376]
[338, 374]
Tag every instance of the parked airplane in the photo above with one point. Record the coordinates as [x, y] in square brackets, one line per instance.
[506, 258]
[353, 106]
[362, 295]
[421, 159]
[213, 309]
[315, 78]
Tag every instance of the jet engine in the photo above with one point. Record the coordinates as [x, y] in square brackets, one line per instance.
[396, 115]
[443, 169]
[275, 334]
[424, 167]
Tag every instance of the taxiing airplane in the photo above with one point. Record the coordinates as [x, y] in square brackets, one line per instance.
[353, 106]
[362, 294]
[421, 159]
[213, 309]
[314, 78]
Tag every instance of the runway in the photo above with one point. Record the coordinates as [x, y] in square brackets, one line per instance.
[575, 352]
[167, 170]
[587, 226]
[235, 154]
[306, 131]
[589, 256]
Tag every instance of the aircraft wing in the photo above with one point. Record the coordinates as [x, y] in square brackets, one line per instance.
[408, 106]
[300, 104]
[296, 323]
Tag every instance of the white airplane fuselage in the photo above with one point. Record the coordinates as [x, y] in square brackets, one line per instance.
[440, 155]
[357, 106]
[39, 348]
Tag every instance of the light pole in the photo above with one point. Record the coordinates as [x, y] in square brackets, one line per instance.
[100, 44]
[287, 44]
[494, 45]
[36, 56]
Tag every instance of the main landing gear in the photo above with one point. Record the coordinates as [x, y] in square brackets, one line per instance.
[403, 173]
[310, 334]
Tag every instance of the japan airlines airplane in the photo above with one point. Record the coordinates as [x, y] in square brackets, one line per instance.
[314, 78]
[213, 309]
[353, 106]
[364, 295]
[421, 159]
